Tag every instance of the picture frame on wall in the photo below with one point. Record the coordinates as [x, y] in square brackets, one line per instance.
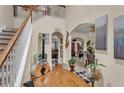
[101, 26]
[119, 37]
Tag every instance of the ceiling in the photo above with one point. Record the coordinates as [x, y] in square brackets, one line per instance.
[84, 28]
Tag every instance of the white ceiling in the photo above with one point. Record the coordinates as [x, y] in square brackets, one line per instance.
[83, 28]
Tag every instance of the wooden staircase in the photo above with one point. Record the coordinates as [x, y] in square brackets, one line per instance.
[5, 37]
[14, 45]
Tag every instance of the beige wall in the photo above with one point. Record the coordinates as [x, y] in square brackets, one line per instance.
[28, 65]
[18, 22]
[75, 15]
[46, 24]
[6, 15]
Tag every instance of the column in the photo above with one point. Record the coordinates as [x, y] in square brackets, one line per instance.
[50, 52]
[59, 61]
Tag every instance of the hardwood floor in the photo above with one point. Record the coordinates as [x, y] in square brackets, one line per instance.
[59, 77]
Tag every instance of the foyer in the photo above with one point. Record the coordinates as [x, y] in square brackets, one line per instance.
[61, 46]
[59, 77]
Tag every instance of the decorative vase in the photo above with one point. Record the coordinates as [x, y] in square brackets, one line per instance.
[72, 67]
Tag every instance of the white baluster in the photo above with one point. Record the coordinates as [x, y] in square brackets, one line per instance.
[3, 76]
[13, 61]
[0, 76]
[13, 70]
[6, 71]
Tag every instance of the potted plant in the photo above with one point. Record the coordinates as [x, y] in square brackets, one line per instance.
[72, 61]
[93, 66]
[89, 53]
[90, 46]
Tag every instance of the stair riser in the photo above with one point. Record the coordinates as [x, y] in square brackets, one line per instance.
[11, 32]
[2, 45]
[4, 41]
[11, 29]
[1, 50]
[6, 34]
[5, 38]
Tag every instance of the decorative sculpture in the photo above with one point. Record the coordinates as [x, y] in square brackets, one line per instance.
[67, 41]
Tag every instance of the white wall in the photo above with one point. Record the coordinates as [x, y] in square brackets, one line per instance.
[57, 11]
[75, 15]
[25, 62]
[28, 65]
[18, 22]
[6, 16]
[46, 24]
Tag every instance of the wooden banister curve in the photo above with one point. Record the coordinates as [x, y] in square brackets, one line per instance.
[10, 45]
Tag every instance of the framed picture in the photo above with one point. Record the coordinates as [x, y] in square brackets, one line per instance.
[119, 37]
[101, 26]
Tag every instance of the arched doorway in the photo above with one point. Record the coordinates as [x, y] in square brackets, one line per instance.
[77, 46]
[79, 37]
[57, 48]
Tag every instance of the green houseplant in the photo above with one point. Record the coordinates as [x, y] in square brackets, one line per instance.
[72, 62]
[90, 46]
[93, 66]
[89, 53]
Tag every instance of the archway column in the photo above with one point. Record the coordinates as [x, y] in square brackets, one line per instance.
[68, 52]
[70, 41]
[64, 50]
[50, 51]
[59, 61]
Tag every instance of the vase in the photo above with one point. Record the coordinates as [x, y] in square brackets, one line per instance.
[72, 67]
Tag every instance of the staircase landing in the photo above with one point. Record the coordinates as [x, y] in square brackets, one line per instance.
[59, 77]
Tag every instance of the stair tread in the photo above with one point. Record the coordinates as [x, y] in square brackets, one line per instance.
[1, 49]
[6, 34]
[8, 28]
[9, 31]
[5, 38]
[3, 43]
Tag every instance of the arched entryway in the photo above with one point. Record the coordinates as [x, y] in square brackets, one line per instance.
[77, 46]
[57, 48]
[79, 37]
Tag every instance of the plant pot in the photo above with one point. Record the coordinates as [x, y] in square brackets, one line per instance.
[72, 67]
[92, 81]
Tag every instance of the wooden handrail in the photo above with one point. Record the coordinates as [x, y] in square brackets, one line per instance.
[10, 45]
